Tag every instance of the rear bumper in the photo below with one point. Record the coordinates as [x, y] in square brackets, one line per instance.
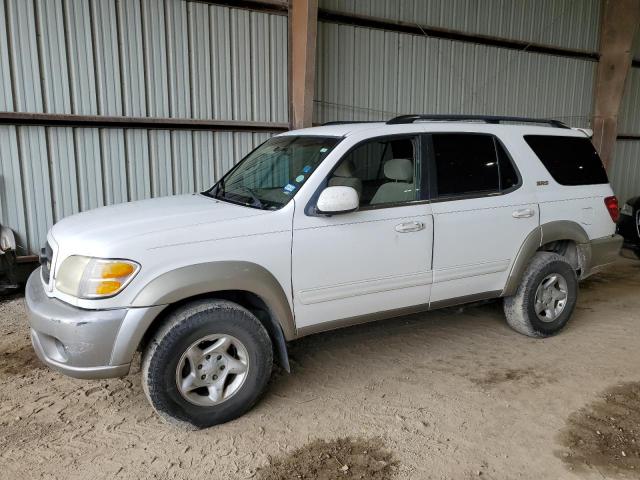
[604, 251]
[80, 343]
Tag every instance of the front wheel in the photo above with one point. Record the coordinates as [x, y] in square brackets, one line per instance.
[545, 298]
[208, 364]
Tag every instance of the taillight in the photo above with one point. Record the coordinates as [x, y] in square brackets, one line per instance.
[612, 205]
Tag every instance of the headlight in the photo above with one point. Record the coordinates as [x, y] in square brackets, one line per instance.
[626, 209]
[86, 277]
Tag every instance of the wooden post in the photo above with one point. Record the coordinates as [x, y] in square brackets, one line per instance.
[620, 20]
[303, 27]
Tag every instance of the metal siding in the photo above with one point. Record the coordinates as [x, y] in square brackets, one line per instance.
[624, 173]
[11, 193]
[205, 161]
[629, 120]
[220, 29]
[260, 68]
[155, 58]
[6, 90]
[178, 59]
[107, 59]
[278, 39]
[241, 64]
[49, 173]
[36, 189]
[81, 62]
[62, 159]
[24, 56]
[160, 161]
[161, 58]
[132, 58]
[200, 61]
[55, 78]
[386, 69]
[224, 151]
[182, 161]
[137, 161]
[564, 23]
[89, 168]
[113, 165]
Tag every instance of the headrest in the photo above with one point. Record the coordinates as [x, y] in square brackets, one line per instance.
[400, 169]
[345, 169]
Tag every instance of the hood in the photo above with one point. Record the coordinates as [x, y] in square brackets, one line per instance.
[154, 220]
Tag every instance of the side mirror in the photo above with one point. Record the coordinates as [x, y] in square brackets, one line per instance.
[334, 200]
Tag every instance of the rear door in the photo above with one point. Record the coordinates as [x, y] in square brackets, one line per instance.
[482, 213]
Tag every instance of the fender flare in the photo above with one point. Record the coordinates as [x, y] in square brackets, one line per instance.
[211, 277]
[545, 233]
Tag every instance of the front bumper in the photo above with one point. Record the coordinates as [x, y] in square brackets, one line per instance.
[80, 343]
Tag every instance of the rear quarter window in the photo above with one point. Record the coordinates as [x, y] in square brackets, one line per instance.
[569, 160]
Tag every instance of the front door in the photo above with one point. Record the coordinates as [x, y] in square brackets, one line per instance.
[348, 266]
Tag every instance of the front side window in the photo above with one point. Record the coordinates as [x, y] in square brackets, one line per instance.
[383, 171]
[273, 173]
[569, 160]
[471, 164]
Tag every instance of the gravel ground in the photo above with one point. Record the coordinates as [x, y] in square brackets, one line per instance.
[452, 394]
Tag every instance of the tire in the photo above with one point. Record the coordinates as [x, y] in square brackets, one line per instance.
[243, 340]
[520, 309]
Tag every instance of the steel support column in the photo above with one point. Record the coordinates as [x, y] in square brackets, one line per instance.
[620, 20]
[303, 27]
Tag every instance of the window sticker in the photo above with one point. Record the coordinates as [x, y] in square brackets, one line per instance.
[323, 149]
[306, 169]
[289, 187]
[299, 178]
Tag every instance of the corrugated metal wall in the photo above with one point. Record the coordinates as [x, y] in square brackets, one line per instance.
[563, 23]
[629, 118]
[161, 58]
[624, 173]
[47, 173]
[145, 58]
[371, 74]
[625, 170]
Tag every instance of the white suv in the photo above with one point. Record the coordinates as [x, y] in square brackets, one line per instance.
[318, 229]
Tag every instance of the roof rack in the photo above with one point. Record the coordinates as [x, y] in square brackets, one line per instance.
[347, 122]
[402, 119]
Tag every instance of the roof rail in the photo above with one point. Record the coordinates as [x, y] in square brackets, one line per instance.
[347, 122]
[481, 118]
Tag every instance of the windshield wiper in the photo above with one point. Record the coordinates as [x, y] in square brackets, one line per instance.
[256, 201]
[219, 190]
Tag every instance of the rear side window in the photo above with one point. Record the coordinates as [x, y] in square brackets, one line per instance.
[471, 164]
[569, 160]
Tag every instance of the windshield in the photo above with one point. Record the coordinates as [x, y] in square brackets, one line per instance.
[273, 173]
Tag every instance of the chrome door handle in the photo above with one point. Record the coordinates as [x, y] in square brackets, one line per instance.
[409, 227]
[524, 213]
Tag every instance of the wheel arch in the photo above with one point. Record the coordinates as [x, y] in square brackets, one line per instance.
[561, 236]
[248, 284]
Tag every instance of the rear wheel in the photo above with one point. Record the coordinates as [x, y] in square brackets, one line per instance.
[546, 297]
[207, 364]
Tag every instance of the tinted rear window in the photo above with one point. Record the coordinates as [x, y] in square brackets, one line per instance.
[569, 160]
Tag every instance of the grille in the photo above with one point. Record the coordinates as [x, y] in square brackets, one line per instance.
[46, 256]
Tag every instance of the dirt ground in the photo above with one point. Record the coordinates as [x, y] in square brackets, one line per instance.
[453, 394]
